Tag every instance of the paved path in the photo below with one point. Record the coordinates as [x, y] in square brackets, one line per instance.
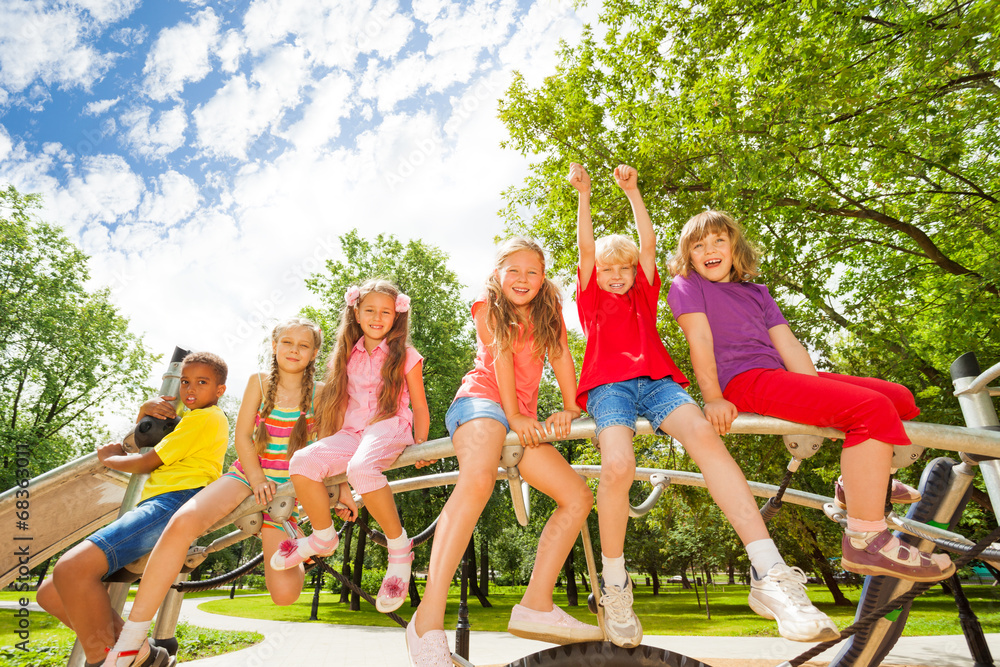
[288, 644]
[297, 644]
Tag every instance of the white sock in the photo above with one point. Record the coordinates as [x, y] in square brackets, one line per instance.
[326, 534]
[614, 573]
[764, 555]
[133, 634]
[401, 570]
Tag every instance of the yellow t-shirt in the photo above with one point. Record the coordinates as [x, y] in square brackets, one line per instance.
[192, 453]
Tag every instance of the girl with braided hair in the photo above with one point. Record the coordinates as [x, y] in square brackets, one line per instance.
[365, 422]
[275, 421]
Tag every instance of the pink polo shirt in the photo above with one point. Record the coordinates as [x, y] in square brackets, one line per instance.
[364, 378]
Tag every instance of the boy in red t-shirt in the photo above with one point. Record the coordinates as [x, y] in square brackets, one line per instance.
[628, 373]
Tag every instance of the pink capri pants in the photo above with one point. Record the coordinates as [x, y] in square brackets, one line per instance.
[863, 408]
[363, 456]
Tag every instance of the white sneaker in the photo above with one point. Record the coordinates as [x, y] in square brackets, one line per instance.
[620, 622]
[781, 596]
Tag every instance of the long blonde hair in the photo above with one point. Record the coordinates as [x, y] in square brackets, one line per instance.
[299, 437]
[333, 398]
[544, 319]
[715, 222]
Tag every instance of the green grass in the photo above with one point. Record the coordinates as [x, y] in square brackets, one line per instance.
[673, 612]
[50, 642]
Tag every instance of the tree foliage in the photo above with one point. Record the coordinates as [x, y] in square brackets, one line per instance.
[66, 354]
[857, 143]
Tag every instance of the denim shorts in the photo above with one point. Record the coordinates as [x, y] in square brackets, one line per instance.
[621, 403]
[466, 408]
[134, 535]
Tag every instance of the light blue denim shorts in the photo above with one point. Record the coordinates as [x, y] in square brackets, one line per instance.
[134, 535]
[621, 403]
[466, 408]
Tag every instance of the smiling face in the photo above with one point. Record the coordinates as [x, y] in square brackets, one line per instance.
[712, 257]
[295, 348]
[375, 313]
[615, 278]
[521, 276]
[200, 386]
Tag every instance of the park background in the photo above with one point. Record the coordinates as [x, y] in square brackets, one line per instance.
[190, 172]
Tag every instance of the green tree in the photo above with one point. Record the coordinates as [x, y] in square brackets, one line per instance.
[857, 142]
[66, 354]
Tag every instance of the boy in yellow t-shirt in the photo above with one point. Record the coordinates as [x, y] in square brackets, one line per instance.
[184, 462]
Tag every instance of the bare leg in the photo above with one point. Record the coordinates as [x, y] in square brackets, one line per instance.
[725, 480]
[196, 515]
[383, 508]
[617, 475]
[283, 585]
[865, 468]
[544, 468]
[477, 446]
[84, 599]
[315, 501]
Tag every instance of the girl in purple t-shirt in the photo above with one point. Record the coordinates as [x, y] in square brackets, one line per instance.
[746, 358]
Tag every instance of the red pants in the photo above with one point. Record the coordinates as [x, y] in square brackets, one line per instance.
[863, 408]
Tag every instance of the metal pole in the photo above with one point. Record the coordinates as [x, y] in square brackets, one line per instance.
[462, 628]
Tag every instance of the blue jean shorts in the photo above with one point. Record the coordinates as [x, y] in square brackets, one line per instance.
[134, 535]
[466, 408]
[621, 403]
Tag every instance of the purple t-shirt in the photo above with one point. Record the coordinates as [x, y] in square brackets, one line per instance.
[739, 314]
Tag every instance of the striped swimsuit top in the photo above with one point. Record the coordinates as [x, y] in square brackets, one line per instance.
[279, 424]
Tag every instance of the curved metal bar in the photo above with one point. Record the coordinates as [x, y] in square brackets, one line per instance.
[660, 483]
[518, 495]
[981, 380]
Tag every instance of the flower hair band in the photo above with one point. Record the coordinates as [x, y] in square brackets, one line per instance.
[351, 295]
[402, 303]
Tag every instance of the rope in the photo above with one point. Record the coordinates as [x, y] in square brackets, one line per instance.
[869, 620]
[208, 584]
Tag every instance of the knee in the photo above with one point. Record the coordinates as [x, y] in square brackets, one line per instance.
[360, 474]
[301, 463]
[284, 597]
[580, 500]
[184, 526]
[617, 469]
[47, 597]
[476, 486]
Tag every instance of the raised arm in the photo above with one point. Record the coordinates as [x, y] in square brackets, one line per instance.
[793, 354]
[627, 179]
[565, 371]
[719, 412]
[580, 179]
[528, 430]
[263, 489]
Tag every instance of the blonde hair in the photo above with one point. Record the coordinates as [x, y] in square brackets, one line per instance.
[544, 319]
[333, 398]
[616, 249]
[299, 436]
[715, 222]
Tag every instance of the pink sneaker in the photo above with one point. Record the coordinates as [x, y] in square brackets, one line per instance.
[431, 650]
[901, 494]
[292, 552]
[879, 553]
[555, 627]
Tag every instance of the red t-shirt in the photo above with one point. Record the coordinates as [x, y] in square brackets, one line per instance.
[622, 339]
[481, 381]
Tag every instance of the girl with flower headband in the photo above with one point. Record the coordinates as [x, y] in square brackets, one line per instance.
[365, 422]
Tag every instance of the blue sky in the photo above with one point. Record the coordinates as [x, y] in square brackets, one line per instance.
[207, 155]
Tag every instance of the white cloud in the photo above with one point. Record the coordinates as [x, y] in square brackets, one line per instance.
[155, 139]
[173, 198]
[330, 102]
[230, 49]
[241, 111]
[180, 55]
[97, 107]
[484, 24]
[104, 190]
[6, 145]
[39, 42]
[130, 36]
